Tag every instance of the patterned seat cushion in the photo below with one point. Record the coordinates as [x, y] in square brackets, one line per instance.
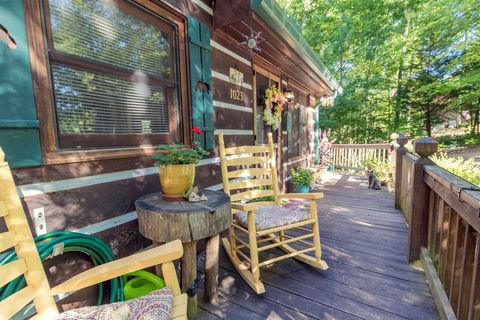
[155, 305]
[273, 216]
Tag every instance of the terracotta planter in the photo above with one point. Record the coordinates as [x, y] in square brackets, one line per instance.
[176, 180]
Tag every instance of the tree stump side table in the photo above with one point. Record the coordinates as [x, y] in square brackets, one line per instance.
[163, 221]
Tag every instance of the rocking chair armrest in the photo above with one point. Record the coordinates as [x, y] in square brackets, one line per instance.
[308, 196]
[158, 255]
[249, 206]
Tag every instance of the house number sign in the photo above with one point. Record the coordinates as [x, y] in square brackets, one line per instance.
[236, 94]
[236, 77]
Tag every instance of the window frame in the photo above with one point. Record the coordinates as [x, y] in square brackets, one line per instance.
[39, 35]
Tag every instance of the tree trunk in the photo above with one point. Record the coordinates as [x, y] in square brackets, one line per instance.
[475, 122]
[428, 121]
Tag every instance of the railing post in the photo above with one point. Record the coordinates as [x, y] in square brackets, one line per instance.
[418, 231]
[399, 153]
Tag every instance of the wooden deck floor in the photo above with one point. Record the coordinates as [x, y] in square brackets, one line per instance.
[364, 242]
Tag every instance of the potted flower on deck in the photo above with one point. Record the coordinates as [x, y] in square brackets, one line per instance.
[177, 168]
[301, 179]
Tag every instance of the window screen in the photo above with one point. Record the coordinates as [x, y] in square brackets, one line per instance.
[114, 74]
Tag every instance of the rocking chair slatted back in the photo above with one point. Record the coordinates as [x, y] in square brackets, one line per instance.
[249, 172]
[28, 264]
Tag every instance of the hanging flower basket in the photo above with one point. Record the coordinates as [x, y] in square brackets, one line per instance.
[274, 102]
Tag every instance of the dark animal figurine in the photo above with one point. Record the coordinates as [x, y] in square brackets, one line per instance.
[7, 38]
[373, 181]
[202, 86]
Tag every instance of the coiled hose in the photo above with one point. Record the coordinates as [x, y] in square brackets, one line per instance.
[98, 251]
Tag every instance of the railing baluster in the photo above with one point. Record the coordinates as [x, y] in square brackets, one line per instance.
[438, 231]
[475, 288]
[452, 229]
[456, 279]
[444, 243]
[465, 275]
[432, 218]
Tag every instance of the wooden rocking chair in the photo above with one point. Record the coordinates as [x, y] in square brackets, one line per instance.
[265, 221]
[30, 266]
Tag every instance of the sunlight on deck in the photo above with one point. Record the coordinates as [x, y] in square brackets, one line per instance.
[364, 241]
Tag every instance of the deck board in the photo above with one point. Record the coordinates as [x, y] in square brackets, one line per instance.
[364, 241]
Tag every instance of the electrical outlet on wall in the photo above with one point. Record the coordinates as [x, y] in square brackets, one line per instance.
[39, 221]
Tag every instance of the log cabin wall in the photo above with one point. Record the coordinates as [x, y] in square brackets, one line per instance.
[97, 196]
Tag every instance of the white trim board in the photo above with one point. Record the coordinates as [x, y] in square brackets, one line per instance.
[234, 132]
[229, 52]
[226, 78]
[286, 164]
[108, 223]
[203, 6]
[34, 189]
[224, 105]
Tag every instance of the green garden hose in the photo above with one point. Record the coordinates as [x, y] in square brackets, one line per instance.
[98, 251]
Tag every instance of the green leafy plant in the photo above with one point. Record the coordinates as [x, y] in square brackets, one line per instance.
[466, 169]
[301, 176]
[380, 168]
[177, 154]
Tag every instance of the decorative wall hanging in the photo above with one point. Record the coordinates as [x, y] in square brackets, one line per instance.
[252, 41]
[274, 102]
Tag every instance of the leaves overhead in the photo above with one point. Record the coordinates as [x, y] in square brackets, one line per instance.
[403, 64]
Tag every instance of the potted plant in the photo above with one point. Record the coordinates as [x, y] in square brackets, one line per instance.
[177, 168]
[301, 179]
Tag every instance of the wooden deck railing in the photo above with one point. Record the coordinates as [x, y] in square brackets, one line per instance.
[442, 211]
[351, 156]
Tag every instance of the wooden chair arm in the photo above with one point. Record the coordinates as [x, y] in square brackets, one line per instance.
[158, 255]
[308, 196]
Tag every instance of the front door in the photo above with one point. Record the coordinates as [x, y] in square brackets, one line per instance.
[262, 80]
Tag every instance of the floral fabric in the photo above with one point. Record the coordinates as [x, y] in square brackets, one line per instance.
[156, 305]
[274, 216]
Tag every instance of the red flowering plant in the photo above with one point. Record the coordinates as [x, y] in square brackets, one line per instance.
[176, 154]
[196, 130]
[274, 102]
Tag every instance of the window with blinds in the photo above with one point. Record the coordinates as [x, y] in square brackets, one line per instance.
[114, 74]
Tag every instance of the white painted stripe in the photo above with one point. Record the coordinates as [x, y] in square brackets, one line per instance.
[286, 164]
[284, 83]
[204, 6]
[234, 132]
[226, 78]
[108, 223]
[28, 190]
[232, 54]
[215, 187]
[130, 216]
[220, 104]
[34, 189]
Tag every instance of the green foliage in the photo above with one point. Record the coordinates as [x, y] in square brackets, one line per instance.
[380, 168]
[176, 154]
[465, 169]
[402, 64]
[459, 140]
[301, 176]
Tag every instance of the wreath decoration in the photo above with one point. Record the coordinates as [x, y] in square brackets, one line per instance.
[274, 101]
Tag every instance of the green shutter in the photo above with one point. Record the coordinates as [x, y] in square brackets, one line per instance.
[19, 133]
[200, 54]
